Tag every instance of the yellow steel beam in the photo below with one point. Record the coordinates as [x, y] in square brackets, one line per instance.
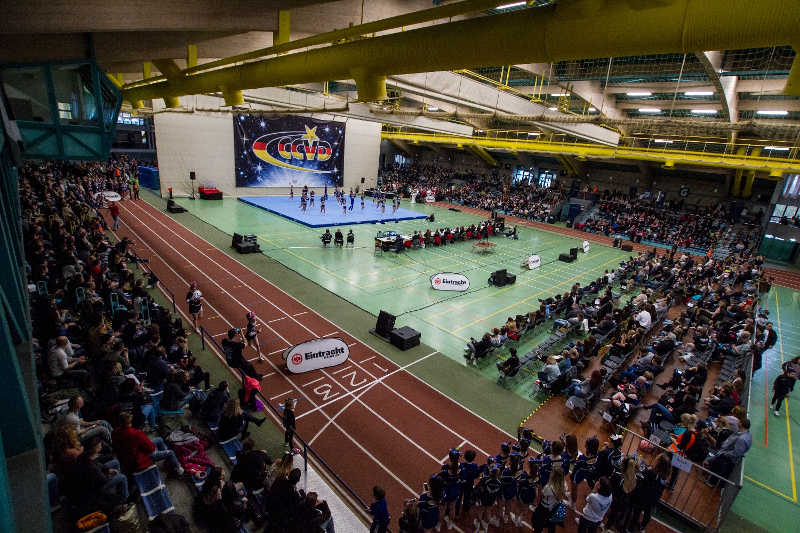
[737, 177]
[483, 154]
[282, 36]
[117, 83]
[598, 151]
[191, 55]
[747, 188]
[147, 69]
[792, 86]
[572, 30]
[353, 32]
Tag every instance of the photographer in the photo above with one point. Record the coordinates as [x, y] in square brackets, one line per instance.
[233, 347]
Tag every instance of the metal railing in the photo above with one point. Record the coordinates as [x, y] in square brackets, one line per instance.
[306, 448]
[692, 498]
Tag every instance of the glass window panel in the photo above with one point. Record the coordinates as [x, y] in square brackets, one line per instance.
[778, 212]
[73, 87]
[26, 89]
[790, 211]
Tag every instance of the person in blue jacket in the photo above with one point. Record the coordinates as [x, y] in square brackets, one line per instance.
[468, 472]
[508, 485]
[526, 488]
[379, 511]
[488, 491]
[451, 488]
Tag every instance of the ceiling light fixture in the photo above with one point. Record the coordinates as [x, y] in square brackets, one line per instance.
[649, 110]
[592, 110]
[773, 113]
[704, 111]
[640, 93]
[699, 93]
[513, 4]
[559, 94]
[534, 133]
[553, 108]
[433, 108]
[663, 141]
[777, 148]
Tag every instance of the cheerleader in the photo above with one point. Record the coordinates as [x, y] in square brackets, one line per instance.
[194, 299]
[251, 334]
[311, 198]
[467, 474]
[322, 205]
[508, 486]
[488, 491]
[362, 201]
[452, 487]
[303, 203]
[291, 192]
[526, 488]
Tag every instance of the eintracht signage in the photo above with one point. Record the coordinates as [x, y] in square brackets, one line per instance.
[449, 281]
[586, 247]
[314, 354]
[534, 261]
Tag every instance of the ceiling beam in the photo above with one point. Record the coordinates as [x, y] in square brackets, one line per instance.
[724, 88]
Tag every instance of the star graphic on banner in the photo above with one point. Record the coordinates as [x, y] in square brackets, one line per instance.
[311, 134]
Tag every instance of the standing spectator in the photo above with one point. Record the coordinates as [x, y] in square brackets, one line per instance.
[233, 348]
[549, 510]
[781, 388]
[212, 408]
[114, 210]
[597, 504]
[379, 511]
[288, 421]
[648, 493]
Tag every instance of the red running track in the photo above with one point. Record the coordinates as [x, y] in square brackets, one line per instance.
[784, 278]
[373, 422]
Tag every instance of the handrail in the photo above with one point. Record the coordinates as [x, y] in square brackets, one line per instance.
[164, 287]
[306, 447]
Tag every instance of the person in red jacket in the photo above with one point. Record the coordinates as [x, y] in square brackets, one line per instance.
[136, 451]
[114, 210]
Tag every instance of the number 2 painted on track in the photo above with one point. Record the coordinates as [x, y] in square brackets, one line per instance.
[352, 376]
[324, 390]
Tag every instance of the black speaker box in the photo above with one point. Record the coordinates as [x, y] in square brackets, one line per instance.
[511, 279]
[385, 323]
[236, 239]
[627, 247]
[405, 337]
[192, 175]
[567, 258]
[573, 252]
[172, 207]
[247, 247]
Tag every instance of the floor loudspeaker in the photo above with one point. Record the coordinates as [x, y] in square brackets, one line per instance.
[385, 323]
[405, 337]
[567, 258]
[627, 247]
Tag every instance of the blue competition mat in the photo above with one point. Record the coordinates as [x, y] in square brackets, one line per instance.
[283, 206]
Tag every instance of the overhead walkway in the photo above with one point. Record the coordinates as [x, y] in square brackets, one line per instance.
[642, 151]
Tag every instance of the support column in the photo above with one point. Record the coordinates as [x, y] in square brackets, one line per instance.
[747, 188]
[283, 28]
[737, 177]
[191, 55]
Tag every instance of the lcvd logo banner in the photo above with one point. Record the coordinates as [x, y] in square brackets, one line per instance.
[449, 281]
[315, 354]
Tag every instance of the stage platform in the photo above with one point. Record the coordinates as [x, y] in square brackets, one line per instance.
[283, 206]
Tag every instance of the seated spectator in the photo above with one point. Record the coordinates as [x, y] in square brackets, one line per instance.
[212, 408]
[235, 421]
[510, 366]
[137, 452]
[85, 430]
[93, 484]
[551, 370]
[730, 453]
[64, 366]
[585, 388]
[251, 466]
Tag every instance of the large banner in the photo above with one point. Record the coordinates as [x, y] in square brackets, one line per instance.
[288, 150]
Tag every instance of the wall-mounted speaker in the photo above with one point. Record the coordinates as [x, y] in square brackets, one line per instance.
[192, 175]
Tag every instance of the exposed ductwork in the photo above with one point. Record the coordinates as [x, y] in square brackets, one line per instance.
[563, 31]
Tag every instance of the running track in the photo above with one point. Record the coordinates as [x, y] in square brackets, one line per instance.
[373, 422]
[784, 278]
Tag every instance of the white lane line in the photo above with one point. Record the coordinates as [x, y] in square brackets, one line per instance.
[278, 371]
[276, 320]
[341, 370]
[331, 333]
[409, 402]
[279, 395]
[367, 359]
[268, 375]
[276, 351]
[312, 381]
[296, 314]
[351, 344]
[380, 367]
[256, 274]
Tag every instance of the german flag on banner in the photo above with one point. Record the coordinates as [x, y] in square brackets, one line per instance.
[288, 150]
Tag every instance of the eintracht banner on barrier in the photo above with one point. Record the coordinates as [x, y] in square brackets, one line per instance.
[586, 247]
[449, 281]
[534, 261]
[315, 354]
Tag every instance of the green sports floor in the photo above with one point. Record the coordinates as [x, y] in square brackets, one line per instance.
[399, 284]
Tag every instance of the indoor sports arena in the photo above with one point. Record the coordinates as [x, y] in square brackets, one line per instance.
[320, 266]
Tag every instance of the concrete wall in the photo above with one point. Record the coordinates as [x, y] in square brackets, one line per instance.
[203, 142]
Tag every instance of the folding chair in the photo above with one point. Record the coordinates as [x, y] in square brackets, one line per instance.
[105, 528]
[231, 447]
[157, 503]
[148, 480]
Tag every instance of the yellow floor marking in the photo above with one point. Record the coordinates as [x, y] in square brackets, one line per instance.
[786, 402]
[765, 486]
